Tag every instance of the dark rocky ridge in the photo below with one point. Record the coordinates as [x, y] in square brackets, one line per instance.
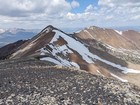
[34, 82]
[7, 50]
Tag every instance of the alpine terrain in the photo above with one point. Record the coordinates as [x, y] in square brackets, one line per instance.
[110, 58]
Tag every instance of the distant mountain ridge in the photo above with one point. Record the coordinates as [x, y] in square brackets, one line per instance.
[124, 28]
[14, 34]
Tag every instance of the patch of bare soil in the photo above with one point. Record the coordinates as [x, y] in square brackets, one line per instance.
[133, 36]
[132, 78]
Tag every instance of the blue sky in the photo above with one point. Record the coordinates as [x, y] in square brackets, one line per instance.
[69, 13]
[83, 5]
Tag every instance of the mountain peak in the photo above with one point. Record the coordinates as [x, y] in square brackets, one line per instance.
[98, 51]
[48, 28]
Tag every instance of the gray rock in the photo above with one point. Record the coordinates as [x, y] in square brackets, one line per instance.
[33, 82]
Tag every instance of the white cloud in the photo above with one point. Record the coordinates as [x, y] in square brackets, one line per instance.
[39, 13]
[109, 17]
[113, 3]
[122, 11]
[127, 7]
[89, 8]
[32, 13]
[24, 8]
[136, 17]
[75, 4]
[86, 16]
[71, 16]
[109, 3]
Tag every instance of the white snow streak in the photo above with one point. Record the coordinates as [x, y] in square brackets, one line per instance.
[51, 60]
[89, 34]
[75, 65]
[123, 80]
[119, 32]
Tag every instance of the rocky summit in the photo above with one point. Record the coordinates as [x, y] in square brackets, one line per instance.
[34, 82]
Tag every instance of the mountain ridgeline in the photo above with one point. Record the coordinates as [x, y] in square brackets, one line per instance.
[94, 66]
[100, 51]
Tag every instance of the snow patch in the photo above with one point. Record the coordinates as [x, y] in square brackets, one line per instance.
[78, 31]
[51, 60]
[59, 49]
[43, 51]
[89, 34]
[55, 37]
[75, 65]
[98, 71]
[119, 32]
[77, 46]
[2, 31]
[123, 80]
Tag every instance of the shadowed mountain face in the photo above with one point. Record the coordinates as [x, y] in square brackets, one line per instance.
[11, 35]
[7, 50]
[99, 51]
